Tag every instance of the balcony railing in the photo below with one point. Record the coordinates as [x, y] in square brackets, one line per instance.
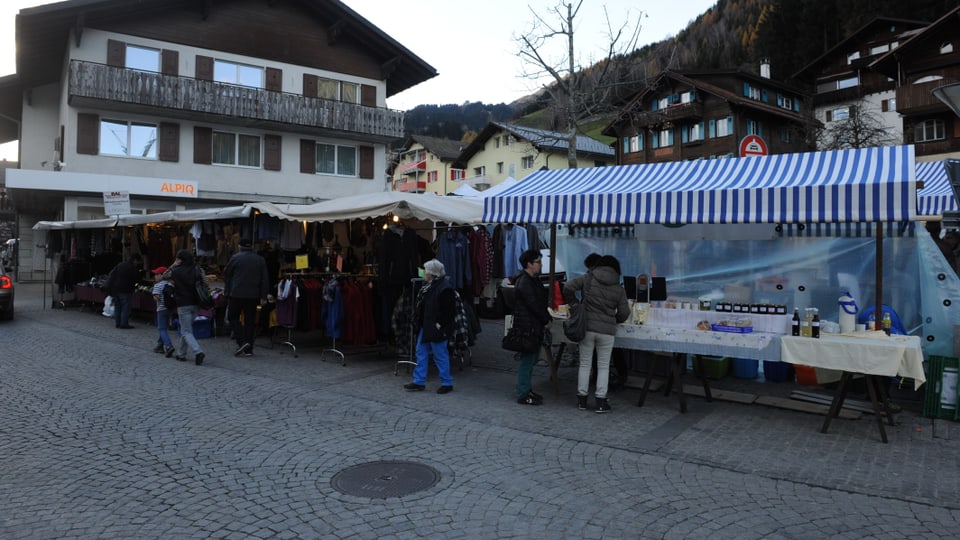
[693, 110]
[172, 93]
[917, 98]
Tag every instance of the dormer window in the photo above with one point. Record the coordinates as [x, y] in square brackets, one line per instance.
[853, 56]
[946, 47]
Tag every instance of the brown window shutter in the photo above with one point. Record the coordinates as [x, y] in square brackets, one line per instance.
[368, 95]
[885, 105]
[274, 81]
[829, 116]
[202, 145]
[88, 134]
[366, 162]
[308, 156]
[169, 149]
[310, 85]
[204, 68]
[956, 128]
[170, 62]
[116, 53]
[271, 152]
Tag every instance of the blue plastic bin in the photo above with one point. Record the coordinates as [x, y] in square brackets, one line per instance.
[745, 369]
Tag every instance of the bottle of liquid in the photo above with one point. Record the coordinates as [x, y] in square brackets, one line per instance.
[887, 322]
[872, 322]
[795, 323]
[805, 323]
[815, 324]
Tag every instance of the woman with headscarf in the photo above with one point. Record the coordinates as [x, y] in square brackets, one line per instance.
[434, 314]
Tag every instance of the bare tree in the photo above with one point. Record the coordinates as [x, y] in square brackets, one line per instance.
[575, 92]
[861, 129]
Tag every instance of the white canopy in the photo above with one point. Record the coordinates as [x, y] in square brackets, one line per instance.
[200, 214]
[462, 210]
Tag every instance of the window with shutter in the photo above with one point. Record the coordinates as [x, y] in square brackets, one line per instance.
[202, 145]
[88, 131]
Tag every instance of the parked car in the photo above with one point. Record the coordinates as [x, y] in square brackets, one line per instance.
[6, 295]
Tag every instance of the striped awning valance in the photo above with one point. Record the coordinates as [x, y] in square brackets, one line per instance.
[870, 184]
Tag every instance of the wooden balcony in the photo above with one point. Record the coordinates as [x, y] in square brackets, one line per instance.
[183, 97]
[674, 113]
[917, 98]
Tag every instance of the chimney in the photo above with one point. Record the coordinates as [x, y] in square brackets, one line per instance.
[765, 68]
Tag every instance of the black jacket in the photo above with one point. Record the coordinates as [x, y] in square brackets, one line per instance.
[246, 276]
[123, 278]
[185, 284]
[530, 303]
[436, 311]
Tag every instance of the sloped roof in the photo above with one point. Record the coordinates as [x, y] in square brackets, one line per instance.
[445, 149]
[42, 33]
[542, 139]
[887, 62]
[693, 80]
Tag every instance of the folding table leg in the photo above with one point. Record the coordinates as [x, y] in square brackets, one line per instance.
[838, 396]
[872, 390]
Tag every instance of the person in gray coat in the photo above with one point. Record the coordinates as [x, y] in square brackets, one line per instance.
[606, 306]
[246, 285]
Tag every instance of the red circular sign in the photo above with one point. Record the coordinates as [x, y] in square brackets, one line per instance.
[753, 145]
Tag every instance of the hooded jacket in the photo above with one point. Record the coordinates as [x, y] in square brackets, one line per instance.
[605, 300]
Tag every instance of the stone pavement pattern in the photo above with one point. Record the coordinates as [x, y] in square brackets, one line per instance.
[101, 438]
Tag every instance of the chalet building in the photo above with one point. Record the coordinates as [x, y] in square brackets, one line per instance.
[925, 60]
[185, 104]
[426, 164]
[708, 114]
[843, 83]
[502, 151]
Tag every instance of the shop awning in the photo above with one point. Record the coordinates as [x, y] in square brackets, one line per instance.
[937, 195]
[104, 223]
[870, 184]
[200, 214]
[462, 210]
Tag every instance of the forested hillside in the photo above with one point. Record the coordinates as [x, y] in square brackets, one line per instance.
[733, 34]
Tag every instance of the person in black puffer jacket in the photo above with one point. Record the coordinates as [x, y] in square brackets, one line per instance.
[434, 319]
[606, 306]
[530, 313]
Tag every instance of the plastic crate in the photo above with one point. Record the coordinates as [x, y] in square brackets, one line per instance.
[940, 400]
[777, 371]
[203, 328]
[745, 369]
[711, 367]
[732, 329]
[806, 375]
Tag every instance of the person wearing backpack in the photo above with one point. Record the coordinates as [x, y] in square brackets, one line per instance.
[164, 345]
[185, 275]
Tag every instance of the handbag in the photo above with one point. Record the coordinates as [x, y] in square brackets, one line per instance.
[575, 327]
[204, 299]
[522, 340]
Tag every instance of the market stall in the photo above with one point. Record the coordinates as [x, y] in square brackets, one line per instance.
[792, 229]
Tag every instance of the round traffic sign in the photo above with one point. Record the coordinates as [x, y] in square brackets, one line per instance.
[753, 145]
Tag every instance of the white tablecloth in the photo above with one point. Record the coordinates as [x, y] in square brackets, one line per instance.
[872, 353]
[756, 345]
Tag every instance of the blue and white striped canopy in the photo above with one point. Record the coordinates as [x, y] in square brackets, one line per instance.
[869, 184]
[937, 196]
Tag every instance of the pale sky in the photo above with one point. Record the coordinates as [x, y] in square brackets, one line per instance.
[472, 48]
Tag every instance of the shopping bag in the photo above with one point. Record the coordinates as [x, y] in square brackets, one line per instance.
[108, 306]
[521, 340]
[575, 327]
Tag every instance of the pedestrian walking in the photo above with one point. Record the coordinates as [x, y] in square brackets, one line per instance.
[605, 305]
[529, 313]
[246, 284]
[164, 344]
[434, 314]
[185, 274]
[121, 283]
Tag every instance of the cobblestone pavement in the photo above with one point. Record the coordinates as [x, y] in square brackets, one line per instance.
[101, 438]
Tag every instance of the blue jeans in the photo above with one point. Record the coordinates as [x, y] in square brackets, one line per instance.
[121, 309]
[187, 314]
[441, 357]
[163, 323]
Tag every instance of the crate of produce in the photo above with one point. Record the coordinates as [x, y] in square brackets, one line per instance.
[711, 367]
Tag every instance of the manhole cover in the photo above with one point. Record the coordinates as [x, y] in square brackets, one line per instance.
[385, 479]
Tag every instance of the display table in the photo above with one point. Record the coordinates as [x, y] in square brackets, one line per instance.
[871, 354]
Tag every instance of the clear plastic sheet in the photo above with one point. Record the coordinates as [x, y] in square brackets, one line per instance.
[799, 266]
